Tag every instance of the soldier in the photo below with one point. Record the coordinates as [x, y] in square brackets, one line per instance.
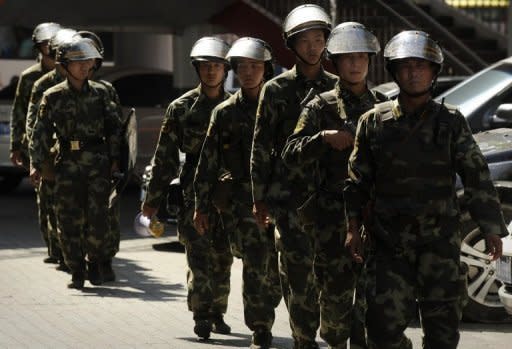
[405, 158]
[19, 141]
[46, 185]
[324, 137]
[184, 127]
[79, 113]
[113, 238]
[226, 151]
[278, 191]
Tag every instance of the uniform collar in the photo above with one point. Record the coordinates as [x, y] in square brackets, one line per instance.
[320, 81]
[85, 88]
[398, 112]
[204, 98]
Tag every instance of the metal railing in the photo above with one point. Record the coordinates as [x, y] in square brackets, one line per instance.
[491, 13]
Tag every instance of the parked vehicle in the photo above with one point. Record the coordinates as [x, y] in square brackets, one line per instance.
[504, 272]
[391, 90]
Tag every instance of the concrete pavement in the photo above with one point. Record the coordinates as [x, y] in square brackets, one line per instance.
[145, 307]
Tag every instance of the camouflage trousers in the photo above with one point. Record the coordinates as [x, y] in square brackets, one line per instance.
[429, 275]
[81, 203]
[300, 292]
[113, 236]
[261, 290]
[334, 271]
[47, 219]
[209, 261]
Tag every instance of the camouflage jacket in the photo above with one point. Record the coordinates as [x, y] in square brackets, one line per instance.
[20, 106]
[414, 174]
[278, 111]
[88, 117]
[48, 80]
[227, 148]
[337, 109]
[183, 129]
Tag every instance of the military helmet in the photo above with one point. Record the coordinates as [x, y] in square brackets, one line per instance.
[413, 44]
[252, 48]
[62, 36]
[305, 17]
[78, 49]
[350, 37]
[95, 39]
[44, 31]
[209, 48]
[97, 42]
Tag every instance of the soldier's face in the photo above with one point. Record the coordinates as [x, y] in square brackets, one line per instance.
[353, 67]
[310, 45]
[44, 48]
[80, 69]
[250, 72]
[211, 73]
[414, 75]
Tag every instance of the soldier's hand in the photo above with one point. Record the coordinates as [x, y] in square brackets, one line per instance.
[35, 177]
[148, 211]
[201, 222]
[354, 243]
[338, 139]
[16, 158]
[260, 212]
[494, 246]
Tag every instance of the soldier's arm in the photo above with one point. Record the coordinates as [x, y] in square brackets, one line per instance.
[18, 114]
[208, 166]
[263, 144]
[113, 128]
[39, 146]
[165, 161]
[305, 145]
[33, 107]
[361, 171]
[482, 198]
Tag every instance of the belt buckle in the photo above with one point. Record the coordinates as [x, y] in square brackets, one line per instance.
[75, 145]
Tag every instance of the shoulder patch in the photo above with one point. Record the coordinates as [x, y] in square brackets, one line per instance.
[384, 110]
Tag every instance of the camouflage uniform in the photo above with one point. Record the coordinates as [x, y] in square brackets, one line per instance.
[338, 109]
[283, 190]
[227, 151]
[89, 120]
[45, 199]
[416, 217]
[19, 142]
[113, 238]
[208, 256]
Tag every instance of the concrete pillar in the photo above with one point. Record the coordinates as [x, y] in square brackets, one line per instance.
[143, 50]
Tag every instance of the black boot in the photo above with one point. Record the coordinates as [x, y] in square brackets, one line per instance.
[62, 266]
[203, 328]
[107, 271]
[77, 280]
[219, 326]
[51, 260]
[261, 339]
[94, 274]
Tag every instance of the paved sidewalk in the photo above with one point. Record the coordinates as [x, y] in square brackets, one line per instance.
[145, 308]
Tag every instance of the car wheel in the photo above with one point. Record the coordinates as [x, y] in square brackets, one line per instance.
[483, 300]
[9, 183]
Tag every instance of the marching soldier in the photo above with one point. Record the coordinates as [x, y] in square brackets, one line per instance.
[19, 141]
[324, 137]
[79, 113]
[406, 155]
[226, 151]
[46, 186]
[184, 127]
[278, 191]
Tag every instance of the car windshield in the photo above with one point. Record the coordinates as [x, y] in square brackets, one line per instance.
[471, 94]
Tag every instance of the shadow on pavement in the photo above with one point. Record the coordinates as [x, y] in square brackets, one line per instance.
[134, 281]
[242, 340]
